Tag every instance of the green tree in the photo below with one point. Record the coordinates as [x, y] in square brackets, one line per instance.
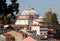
[8, 9]
[51, 18]
[3, 7]
[54, 19]
[13, 7]
[57, 35]
[48, 17]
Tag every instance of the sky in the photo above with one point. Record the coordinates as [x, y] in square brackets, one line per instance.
[41, 6]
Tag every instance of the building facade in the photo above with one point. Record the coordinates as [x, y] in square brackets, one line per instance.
[33, 20]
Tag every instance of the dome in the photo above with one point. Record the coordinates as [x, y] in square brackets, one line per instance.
[30, 11]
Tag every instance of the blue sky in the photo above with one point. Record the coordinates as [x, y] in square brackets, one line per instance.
[41, 6]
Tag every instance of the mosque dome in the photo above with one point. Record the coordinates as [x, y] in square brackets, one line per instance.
[29, 14]
[30, 11]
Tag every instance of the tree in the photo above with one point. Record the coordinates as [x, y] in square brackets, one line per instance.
[10, 9]
[54, 19]
[3, 7]
[48, 17]
[13, 7]
[51, 18]
[57, 35]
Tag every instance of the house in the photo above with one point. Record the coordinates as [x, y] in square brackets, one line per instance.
[9, 37]
[13, 36]
[2, 37]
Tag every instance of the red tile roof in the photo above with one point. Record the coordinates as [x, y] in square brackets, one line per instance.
[29, 39]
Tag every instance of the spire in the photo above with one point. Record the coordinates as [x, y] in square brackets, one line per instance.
[50, 8]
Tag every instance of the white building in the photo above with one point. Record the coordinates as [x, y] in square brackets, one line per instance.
[32, 19]
[26, 17]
